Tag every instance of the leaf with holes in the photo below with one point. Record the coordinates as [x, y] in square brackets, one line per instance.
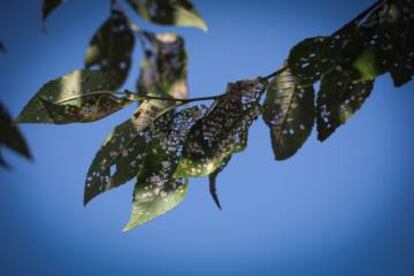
[289, 112]
[111, 47]
[10, 135]
[223, 131]
[169, 12]
[157, 190]
[85, 95]
[48, 7]
[121, 156]
[339, 98]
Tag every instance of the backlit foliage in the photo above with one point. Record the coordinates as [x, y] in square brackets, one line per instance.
[166, 142]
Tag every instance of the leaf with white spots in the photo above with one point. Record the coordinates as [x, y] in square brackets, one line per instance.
[169, 12]
[121, 156]
[48, 7]
[339, 98]
[111, 47]
[289, 111]
[11, 137]
[223, 131]
[152, 200]
[80, 96]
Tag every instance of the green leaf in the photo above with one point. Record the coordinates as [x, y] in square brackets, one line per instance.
[121, 156]
[111, 47]
[80, 96]
[48, 7]
[339, 98]
[309, 59]
[157, 190]
[10, 135]
[152, 199]
[289, 111]
[223, 131]
[169, 12]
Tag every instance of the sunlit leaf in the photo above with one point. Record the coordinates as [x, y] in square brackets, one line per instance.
[152, 199]
[290, 113]
[339, 98]
[111, 47]
[80, 96]
[10, 135]
[223, 131]
[169, 12]
[48, 7]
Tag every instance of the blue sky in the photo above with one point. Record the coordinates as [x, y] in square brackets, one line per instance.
[343, 207]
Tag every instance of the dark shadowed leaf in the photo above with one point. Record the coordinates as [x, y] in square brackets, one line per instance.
[111, 47]
[121, 157]
[80, 96]
[10, 135]
[2, 47]
[212, 181]
[164, 67]
[169, 12]
[339, 98]
[48, 7]
[289, 111]
[223, 131]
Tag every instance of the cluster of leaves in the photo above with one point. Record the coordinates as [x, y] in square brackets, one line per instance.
[166, 142]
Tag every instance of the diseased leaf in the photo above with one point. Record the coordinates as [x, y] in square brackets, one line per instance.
[223, 131]
[111, 47]
[169, 12]
[80, 96]
[121, 157]
[157, 190]
[48, 7]
[339, 98]
[152, 199]
[10, 136]
[289, 111]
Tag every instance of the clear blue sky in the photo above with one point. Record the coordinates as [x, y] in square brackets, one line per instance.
[344, 207]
